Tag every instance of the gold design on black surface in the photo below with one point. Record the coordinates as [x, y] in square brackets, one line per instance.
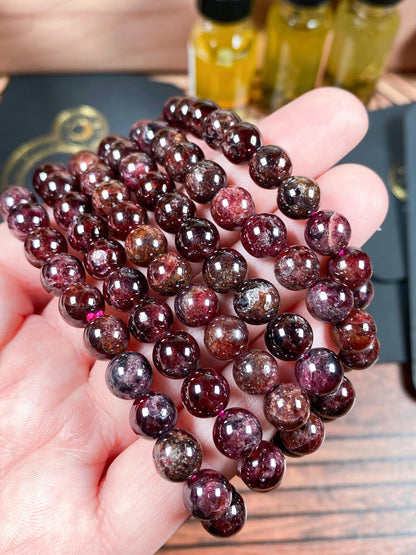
[397, 181]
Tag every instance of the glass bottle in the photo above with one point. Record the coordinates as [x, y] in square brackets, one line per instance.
[363, 35]
[296, 35]
[222, 52]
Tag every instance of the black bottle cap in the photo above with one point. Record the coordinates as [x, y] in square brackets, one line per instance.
[309, 3]
[381, 3]
[225, 10]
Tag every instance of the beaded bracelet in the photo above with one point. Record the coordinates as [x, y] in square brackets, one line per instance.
[109, 193]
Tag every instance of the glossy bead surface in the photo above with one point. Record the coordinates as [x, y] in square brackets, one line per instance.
[287, 407]
[143, 131]
[113, 149]
[43, 243]
[363, 295]
[69, 207]
[336, 404]
[329, 301]
[224, 270]
[289, 336]
[196, 305]
[12, 197]
[363, 359]
[168, 273]
[263, 469]
[296, 267]
[256, 301]
[106, 336]
[129, 375]
[176, 354]
[125, 217]
[205, 393]
[80, 161]
[327, 232]
[198, 111]
[240, 142]
[81, 303]
[103, 257]
[197, 239]
[150, 319]
[177, 455]
[226, 337]
[25, 218]
[231, 206]
[182, 111]
[107, 195]
[263, 235]
[207, 494]
[350, 266]
[133, 167]
[172, 210]
[61, 271]
[56, 185]
[216, 124]
[298, 197]
[269, 166]
[236, 432]
[169, 109]
[356, 333]
[42, 172]
[231, 522]
[153, 414]
[255, 372]
[93, 176]
[203, 180]
[144, 244]
[180, 157]
[305, 440]
[85, 230]
[152, 187]
[124, 288]
[319, 372]
[163, 141]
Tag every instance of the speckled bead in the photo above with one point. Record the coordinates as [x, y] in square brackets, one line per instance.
[150, 319]
[207, 494]
[129, 375]
[164, 139]
[298, 197]
[69, 207]
[226, 337]
[255, 372]
[124, 288]
[176, 354]
[196, 305]
[143, 131]
[85, 230]
[12, 197]
[170, 108]
[203, 180]
[327, 232]
[168, 273]
[205, 393]
[305, 440]
[287, 407]
[104, 256]
[336, 404]
[263, 469]
[356, 333]
[319, 372]
[269, 166]
[231, 522]
[179, 159]
[152, 187]
[81, 303]
[329, 301]
[25, 218]
[133, 167]
[224, 270]
[42, 243]
[106, 336]
[231, 206]
[153, 414]
[289, 336]
[94, 175]
[240, 142]
[256, 301]
[350, 266]
[361, 360]
[263, 235]
[144, 244]
[124, 217]
[177, 455]
[296, 267]
[107, 195]
[236, 432]
[215, 126]
[80, 161]
[113, 149]
[61, 271]
[198, 110]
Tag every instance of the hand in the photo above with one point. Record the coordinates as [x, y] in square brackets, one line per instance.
[74, 478]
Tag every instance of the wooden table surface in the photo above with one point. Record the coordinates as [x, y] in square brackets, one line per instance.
[357, 494]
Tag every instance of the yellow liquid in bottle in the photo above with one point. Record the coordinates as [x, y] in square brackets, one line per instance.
[222, 61]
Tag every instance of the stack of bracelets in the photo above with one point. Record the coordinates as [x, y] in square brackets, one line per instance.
[102, 200]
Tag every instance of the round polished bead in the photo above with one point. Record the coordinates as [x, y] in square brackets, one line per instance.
[144, 244]
[113, 149]
[80, 161]
[205, 393]
[42, 172]
[287, 407]
[172, 210]
[143, 132]
[93, 176]
[150, 319]
[319, 372]
[182, 111]
[152, 187]
[177, 455]
[256, 301]
[176, 354]
[168, 273]
[263, 469]
[81, 303]
[350, 266]
[240, 142]
[207, 494]
[327, 232]
[255, 372]
[61, 271]
[356, 333]
[236, 432]
[163, 141]
[124, 288]
[289, 336]
[129, 375]
[363, 359]
[203, 180]
[231, 522]
[196, 305]
[263, 235]
[169, 109]
[85, 230]
[215, 126]
[335, 404]
[305, 440]
[125, 217]
[298, 197]
[56, 185]
[43, 243]
[105, 256]
[106, 336]
[198, 111]
[179, 159]
[197, 239]
[12, 197]
[153, 414]
[329, 301]
[224, 270]
[363, 295]
[226, 337]
[69, 207]
[269, 166]
[296, 267]
[25, 218]
[133, 167]
[231, 206]
[107, 195]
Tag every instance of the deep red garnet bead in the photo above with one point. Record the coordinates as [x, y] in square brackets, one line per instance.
[195, 118]
[255, 372]
[205, 393]
[226, 337]
[350, 266]
[231, 206]
[143, 132]
[106, 336]
[42, 172]
[335, 404]
[150, 319]
[124, 288]
[80, 161]
[327, 232]
[196, 239]
[236, 432]
[263, 469]
[207, 494]
[25, 218]
[168, 273]
[176, 354]
[304, 440]
[177, 455]
[359, 360]
[104, 256]
[240, 142]
[356, 333]
[203, 180]
[133, 167]
[153, 414]
[170, 108]
[151, 187]
[363, 295]
[215, 126]
[329, 301]
[85, 230]
[69, 207]
[298, 197]
[179, 159]
[289, 336]
[12, 197]
[256, 301]
[107, 195]
[269, 165]
[196, 305]
[296, 267]
[43, 243]
[163, 141]
[231, 522]
[114, 148]
[263, 235]
[182, 111]
[94, 175]
[144, 243]
[81, 303]
[61, 271]
[172, 210]
[129, 375]
[224, 270]
[319, 372]
[287, 407]
[124, 217]
[56, 185]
